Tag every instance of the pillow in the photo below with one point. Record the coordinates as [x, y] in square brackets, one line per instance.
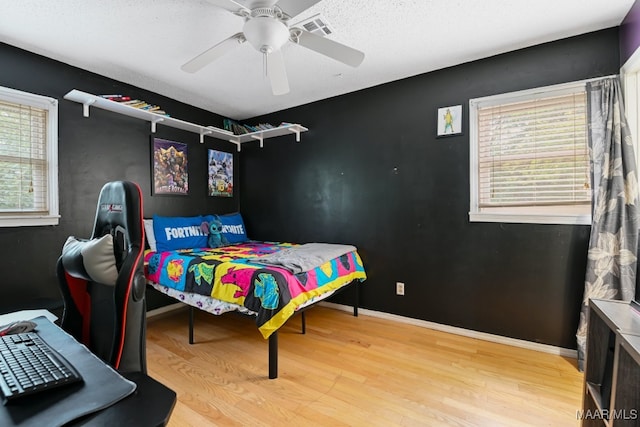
[233, 227]
[91, 259]
[177, 232]
[148, 232]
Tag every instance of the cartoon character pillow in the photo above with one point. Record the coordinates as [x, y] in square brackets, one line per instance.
[213, 229]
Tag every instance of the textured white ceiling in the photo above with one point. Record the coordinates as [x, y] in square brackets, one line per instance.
[144, 42]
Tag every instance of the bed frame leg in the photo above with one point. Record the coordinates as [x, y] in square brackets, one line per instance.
[303, 319]
[273, 355]
[357, 301]
[191, 313]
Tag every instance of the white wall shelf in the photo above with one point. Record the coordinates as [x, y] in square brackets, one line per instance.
[88, 100]
[269, 133]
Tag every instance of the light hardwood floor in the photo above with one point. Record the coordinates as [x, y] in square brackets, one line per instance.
[355, 371]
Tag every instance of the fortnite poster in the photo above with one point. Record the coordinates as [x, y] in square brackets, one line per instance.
[220, 167]
[170, 167]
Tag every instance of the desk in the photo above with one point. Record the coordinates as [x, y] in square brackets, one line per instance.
[105, 397]
[150, 405]
[611, 389]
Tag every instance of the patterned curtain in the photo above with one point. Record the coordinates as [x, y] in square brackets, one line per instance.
[611, 261]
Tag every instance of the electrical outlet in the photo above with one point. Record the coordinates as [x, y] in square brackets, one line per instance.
[399, 288]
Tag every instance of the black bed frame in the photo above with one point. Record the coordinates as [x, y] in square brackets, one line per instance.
[273, 338]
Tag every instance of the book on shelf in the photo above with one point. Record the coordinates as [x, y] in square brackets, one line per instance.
[135, 103]
[243, 128]
[116, 98]
[227, 124]
[238, 129]
[140, 105]
[131, 102]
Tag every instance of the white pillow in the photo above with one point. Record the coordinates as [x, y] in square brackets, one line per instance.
[148, 231]
[91, 259]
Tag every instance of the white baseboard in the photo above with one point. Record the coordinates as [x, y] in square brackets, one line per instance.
[167, 309]
[545, 348]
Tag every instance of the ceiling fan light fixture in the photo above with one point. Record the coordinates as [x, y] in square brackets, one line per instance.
[267, 29]
[266, 34]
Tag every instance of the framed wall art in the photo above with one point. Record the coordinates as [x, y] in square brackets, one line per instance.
[450, 120]
[169, 171]
[220, 169]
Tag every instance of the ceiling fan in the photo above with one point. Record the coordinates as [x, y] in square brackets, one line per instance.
[267, 29]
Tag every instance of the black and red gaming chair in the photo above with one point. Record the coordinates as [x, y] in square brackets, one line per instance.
[109, 318]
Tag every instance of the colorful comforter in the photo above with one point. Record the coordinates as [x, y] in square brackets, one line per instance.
[227, 274]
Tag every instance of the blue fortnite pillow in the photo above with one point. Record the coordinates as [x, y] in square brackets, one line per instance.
[232, 227]
[176, 232]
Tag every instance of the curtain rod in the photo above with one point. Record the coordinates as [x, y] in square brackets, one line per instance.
[595, 79]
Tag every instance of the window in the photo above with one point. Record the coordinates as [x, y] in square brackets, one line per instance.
[529, 158]
[631, 87]
[28, 159]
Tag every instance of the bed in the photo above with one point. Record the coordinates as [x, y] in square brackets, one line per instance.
[269, 280]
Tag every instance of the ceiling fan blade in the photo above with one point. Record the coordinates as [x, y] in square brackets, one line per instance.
[211, 54]
[230, 5]
[328, 47]
[277, 73]
[295, 7]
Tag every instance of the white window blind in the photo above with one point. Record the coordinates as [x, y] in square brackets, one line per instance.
[23, 158]
[530, 157]
[28, 159]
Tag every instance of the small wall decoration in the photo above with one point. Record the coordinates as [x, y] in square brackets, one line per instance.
[450, 120]
[169, 167]
[220, 167]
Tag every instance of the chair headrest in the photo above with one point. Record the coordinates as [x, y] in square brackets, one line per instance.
[119, 213]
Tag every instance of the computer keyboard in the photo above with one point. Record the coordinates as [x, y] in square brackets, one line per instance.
[29, 365]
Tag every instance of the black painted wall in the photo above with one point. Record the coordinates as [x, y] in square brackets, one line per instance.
[104, 147]
[371, 172]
